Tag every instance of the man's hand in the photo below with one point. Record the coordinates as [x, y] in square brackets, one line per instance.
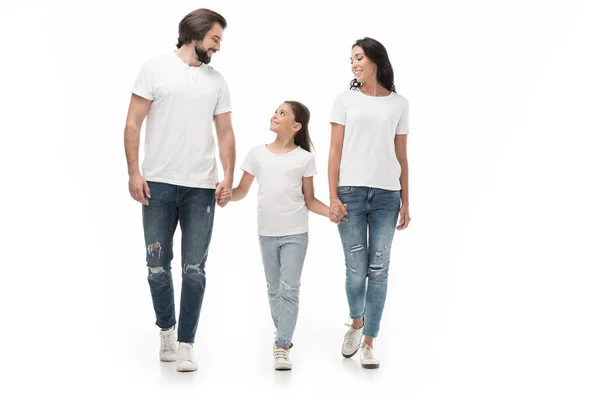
[138, 187]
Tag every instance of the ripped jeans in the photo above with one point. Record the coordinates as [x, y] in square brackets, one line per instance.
[283, 259]
[367, 241]
[194, 209]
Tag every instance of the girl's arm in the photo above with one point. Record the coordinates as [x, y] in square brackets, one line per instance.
[242, 189]
[313, 204]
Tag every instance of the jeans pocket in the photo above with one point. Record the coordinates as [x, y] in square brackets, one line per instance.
[344, 189]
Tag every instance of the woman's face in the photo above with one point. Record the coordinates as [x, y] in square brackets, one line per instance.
[362, 67]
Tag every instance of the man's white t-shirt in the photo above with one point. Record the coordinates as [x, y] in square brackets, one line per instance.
[281, 207]
[180, 148]
[370, 125]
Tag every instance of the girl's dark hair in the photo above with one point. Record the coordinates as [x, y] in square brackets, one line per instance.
[302, 116]
[196, 24]
[377, 53]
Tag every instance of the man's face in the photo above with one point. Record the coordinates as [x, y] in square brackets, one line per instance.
[210, 44]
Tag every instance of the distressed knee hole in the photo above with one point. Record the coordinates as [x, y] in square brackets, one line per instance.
[189, 268]
[356, 248]
[377, 254]
[353, 270]
[208, 210]
[154, 249]
[376, 269]
[156, 270]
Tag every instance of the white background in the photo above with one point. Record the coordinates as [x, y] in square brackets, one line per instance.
[493, 289]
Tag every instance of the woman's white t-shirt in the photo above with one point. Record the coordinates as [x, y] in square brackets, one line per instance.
[370, 125]
[281, 207]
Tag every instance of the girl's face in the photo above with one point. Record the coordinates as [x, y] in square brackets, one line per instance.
[362, 67]
[283, 121]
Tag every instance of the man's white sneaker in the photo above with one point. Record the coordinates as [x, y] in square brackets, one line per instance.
[186, 360]
[352, 341]
[367, 357]
[282, 359]
[168, 345]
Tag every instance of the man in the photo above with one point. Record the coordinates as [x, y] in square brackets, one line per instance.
[181, 96]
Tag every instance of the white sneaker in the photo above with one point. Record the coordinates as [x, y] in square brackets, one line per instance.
[168, 345]
[352, 341]
[186, 359]
[367, 357]
[282, 359]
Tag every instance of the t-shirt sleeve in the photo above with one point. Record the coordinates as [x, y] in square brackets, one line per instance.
[224, 100]
[338, 113]
[144, 85]
[311, 167]
[402, 128]
[250, 164]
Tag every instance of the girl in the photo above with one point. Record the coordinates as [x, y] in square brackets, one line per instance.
[284, 170]
[367, 168]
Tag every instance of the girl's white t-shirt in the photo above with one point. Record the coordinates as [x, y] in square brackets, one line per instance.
[281, 207]
[370, 125]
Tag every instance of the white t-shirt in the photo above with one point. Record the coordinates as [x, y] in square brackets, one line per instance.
[371, 123]
[180, 148]
[281, 207]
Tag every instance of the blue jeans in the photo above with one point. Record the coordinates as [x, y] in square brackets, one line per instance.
[367, 241]
[283, 258]
[194, 209]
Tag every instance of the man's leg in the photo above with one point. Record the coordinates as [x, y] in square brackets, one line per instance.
[160, 221]
[196, 213]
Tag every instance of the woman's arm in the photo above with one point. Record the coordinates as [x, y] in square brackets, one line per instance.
[241, 190]
[335, 158]
[401, 155]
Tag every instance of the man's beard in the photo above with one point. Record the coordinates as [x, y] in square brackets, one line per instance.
[202, 54]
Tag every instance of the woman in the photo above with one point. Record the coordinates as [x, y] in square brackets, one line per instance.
[368, 173]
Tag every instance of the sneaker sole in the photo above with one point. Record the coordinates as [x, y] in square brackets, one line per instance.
[283, 368]
[351, 354]
[370, 366]
[186, 370]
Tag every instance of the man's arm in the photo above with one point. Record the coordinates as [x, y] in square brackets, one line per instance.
[226, 142]
[138, 109]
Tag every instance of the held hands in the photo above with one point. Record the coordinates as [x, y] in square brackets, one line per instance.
[337, 211]
[224, 191]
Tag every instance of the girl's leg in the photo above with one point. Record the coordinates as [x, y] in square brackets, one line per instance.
[292, 252]
[269, 249]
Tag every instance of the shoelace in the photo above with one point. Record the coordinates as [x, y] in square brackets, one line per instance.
[282, 353]
[350, 336]
[185, 353]
[168, 342]
[367, 351]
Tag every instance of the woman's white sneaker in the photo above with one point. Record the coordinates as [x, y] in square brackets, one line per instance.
[186, 359]
[282, 359]
[367, 357]
[168, 345]
[352, 341]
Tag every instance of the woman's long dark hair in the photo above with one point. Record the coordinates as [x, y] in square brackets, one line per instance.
[377, 53]
[302, 116]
